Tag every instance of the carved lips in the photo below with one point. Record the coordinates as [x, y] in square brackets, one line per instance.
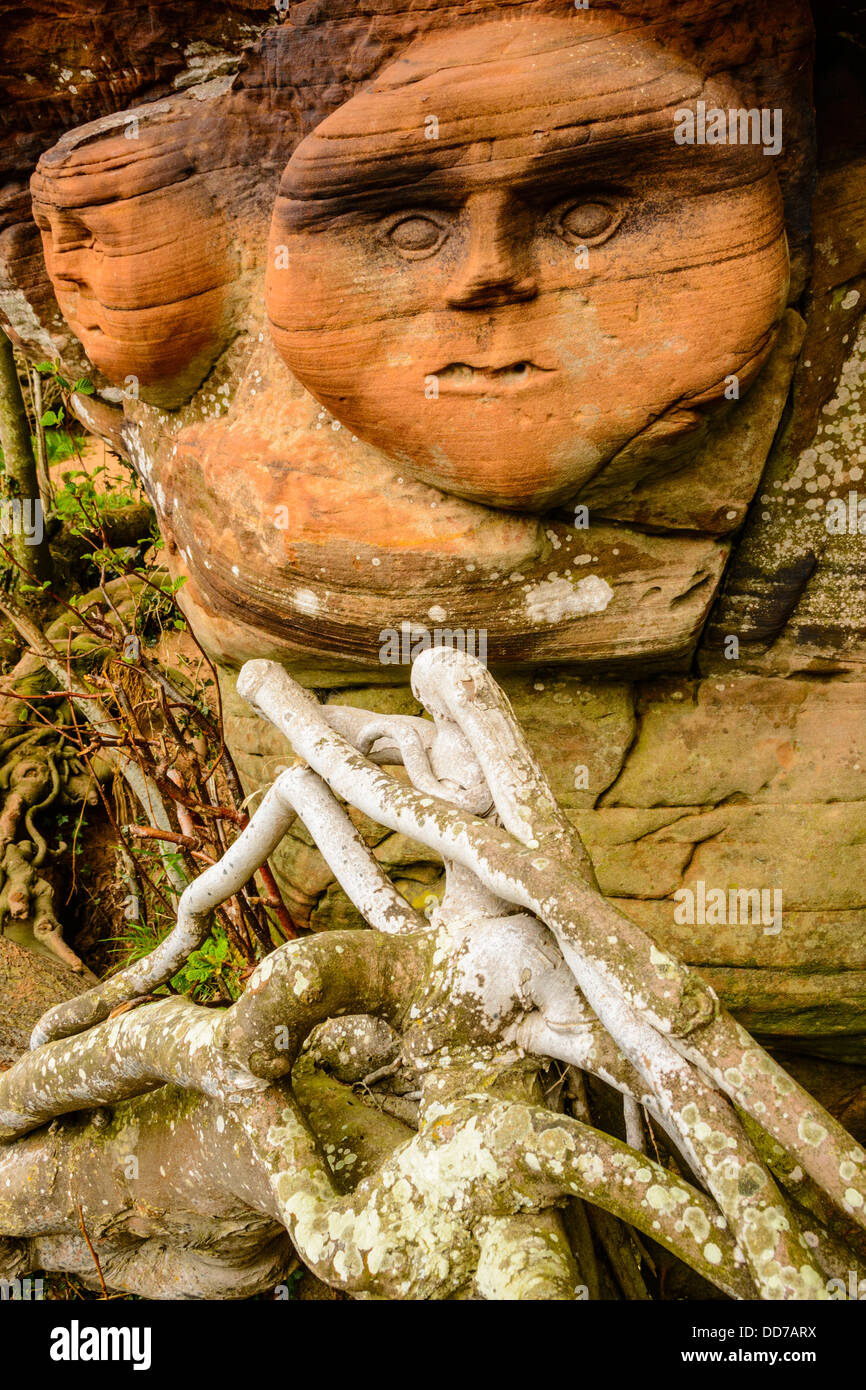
[484, 380]
[497, 265]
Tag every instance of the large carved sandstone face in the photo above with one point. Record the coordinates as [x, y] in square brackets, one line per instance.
[497, 265]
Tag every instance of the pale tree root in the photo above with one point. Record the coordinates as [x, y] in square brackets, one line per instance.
[384, 906]
[188, 1217]
[119, 1171]
[222, 1053]
[166, 1221]
[180, 1040]
[607, 953]
[526, 1258]
[412, 1231]
[185, 1042]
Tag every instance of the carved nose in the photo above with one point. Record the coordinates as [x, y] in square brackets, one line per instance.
[489, 288]
[494, 270]
[68, 277]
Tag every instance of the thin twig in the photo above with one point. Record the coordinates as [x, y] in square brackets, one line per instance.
[89, 1243]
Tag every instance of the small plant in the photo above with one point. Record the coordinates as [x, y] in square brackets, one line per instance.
[142, 700]
[212, 974]
[82, 506]
[60, 441]
[79, 503]
[61, 445]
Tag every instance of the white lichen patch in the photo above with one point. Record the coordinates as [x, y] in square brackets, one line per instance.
[811, 1132]
[698, 1225]
[665, 1200]
[306, 602]
[555, 599]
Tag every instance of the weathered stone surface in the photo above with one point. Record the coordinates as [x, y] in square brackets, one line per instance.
[826, 1011]
[839, 210]
[277, 548]
[810, 943]
[138, 250]
[714, 488]
[817, 860]
[447, 338]
[794, 596]
[98, 59]
[581, 732]
[746, 738]
[744, 784]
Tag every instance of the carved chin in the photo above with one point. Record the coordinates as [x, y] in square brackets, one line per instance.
[518, 439]
[489, 446]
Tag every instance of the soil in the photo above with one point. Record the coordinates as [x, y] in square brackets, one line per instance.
[92, 905]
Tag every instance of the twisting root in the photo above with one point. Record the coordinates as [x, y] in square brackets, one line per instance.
[343, 848]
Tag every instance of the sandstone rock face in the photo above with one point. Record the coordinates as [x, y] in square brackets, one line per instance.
[497, 306]
[138, 255]
[424, 319]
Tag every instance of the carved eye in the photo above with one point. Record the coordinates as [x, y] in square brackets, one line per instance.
[416, 235]
[588, 222]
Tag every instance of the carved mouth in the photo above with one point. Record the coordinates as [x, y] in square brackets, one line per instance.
[76, 304]
[473, 378]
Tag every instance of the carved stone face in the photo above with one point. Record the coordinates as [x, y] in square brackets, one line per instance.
[138, 257]
[497, 265]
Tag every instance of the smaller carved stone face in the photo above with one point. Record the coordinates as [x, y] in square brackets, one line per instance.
[497, 265]
[138, 257]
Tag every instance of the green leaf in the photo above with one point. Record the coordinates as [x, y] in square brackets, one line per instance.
[83, 386]
[44, 367]
[49, 417]
[59, 445]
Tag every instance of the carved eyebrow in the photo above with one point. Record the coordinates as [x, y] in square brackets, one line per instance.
[326, 176]
[110, 175]
[353, 165]
[323, 188]
[334, 178]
